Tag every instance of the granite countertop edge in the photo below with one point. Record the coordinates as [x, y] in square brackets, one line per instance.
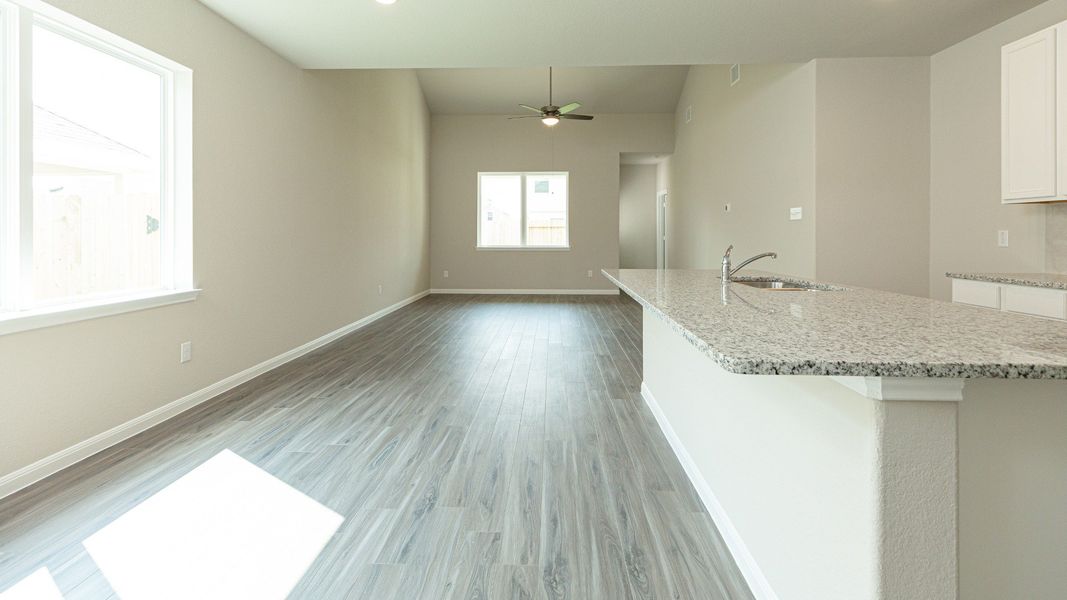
[754, 365]
[1038, 280]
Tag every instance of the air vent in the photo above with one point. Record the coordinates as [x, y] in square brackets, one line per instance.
[735, 74]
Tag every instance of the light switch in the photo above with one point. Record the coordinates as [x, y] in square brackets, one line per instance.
[796, 213]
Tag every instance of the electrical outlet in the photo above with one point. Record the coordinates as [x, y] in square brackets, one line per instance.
[186, 352]
[796, 213]
[446, 274]
[589, 274]
[688, 114]
[379, 289]
[735, 74]
[1002, 238]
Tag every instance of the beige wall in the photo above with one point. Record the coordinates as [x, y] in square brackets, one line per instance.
[847, 140]
[310, 189]
[872, 172]
[965, 208]
[752, 146]
[637, 216]
[463, 145]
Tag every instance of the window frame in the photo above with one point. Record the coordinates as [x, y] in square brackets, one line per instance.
[523, 175]
[18, 311]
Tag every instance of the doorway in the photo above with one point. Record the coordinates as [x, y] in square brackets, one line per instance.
[643, 189]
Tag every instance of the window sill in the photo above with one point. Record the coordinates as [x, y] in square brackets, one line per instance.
[525, 248]
[38, 318]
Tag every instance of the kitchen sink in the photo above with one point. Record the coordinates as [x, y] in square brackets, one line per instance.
[779, 285]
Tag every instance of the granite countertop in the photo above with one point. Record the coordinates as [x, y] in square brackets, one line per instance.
[845, 330]
[1043, 280]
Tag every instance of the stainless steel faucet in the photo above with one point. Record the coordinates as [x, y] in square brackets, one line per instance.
[728, 272]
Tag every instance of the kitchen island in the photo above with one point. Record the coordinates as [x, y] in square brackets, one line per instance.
[852, 443]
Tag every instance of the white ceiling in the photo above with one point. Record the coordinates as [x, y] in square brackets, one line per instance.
[350, 34]
[599, 89]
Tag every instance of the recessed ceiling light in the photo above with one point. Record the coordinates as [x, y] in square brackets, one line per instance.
[386, 1]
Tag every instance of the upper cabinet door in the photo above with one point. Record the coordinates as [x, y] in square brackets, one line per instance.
[1061, 111]
[1028, 118]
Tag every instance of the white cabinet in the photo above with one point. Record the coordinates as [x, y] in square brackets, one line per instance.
[1034, 301]
[978, 293]
[1039, 302]
[1034, 117]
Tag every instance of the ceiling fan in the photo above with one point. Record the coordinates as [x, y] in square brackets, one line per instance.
[550, 114]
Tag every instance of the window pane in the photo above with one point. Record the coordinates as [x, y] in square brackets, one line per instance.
[546, 210]
[96, 172]
[501, 210]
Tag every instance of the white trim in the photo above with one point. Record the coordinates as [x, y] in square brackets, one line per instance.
[24, 175]
[10, 174]
[905, 388]
[661, 228]
[59, 314]
[50, 465]
[44, 9]
[514, 292]
[746, 563]
[20, 18]
[525, 248]
[522, 175]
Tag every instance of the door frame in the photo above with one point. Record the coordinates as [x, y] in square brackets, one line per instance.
[661, 229]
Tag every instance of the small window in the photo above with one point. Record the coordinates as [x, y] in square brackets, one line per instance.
[523, 210]
[95, 151]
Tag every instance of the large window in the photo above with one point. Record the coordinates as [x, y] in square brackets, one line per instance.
[95, 152]
[522, 210]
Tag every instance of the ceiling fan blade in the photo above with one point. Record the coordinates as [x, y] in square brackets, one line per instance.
[525, 117]
[566, 108]
[528, 107]
[577, 117]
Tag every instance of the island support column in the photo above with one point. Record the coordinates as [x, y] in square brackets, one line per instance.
[823, 488]
[916, 422]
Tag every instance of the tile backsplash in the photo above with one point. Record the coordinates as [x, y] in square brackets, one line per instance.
[1056, 238]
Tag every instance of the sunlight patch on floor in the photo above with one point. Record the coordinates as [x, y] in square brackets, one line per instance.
[227, 529]
[39, 585]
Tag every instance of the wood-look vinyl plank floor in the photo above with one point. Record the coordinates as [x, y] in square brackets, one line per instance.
[489, 447]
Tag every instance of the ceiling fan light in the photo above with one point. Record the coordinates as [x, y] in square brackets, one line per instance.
[550, 121]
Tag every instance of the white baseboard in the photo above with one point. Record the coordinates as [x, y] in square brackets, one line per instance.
[746, 563]
[542, 292]
[50, 465]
